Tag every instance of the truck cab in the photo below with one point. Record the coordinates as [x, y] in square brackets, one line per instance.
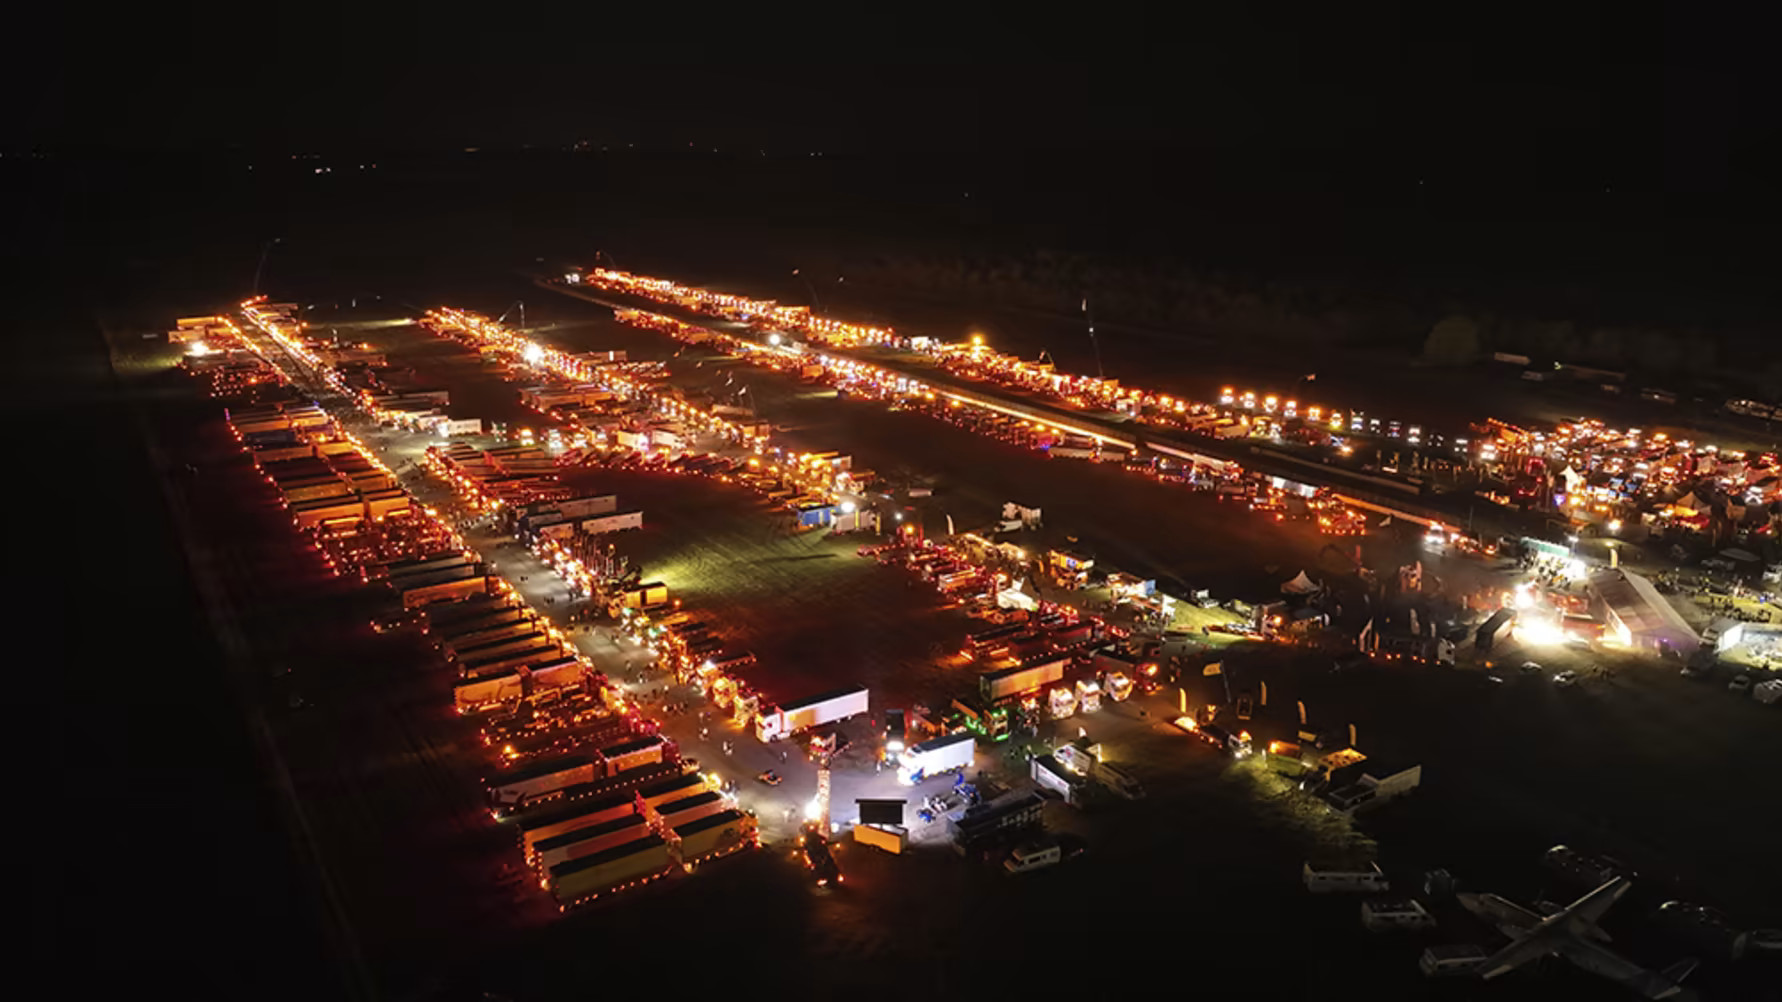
[1033, 856]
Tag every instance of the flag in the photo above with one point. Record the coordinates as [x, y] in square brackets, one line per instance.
[1212, 669]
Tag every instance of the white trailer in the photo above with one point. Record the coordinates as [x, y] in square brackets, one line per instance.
[540, 777]
[784, 721]
[617, 521]
[950, 753]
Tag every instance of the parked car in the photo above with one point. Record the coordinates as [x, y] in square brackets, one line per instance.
[770, 777]
[1566, 678]
[1740, 683]
[1531, 668]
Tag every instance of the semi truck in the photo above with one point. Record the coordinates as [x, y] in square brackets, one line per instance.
[610, 870]
[786, 720]
[990, 722]
[1006, 683]
[949, 753]
[712, 835]
[579, 842]
[514, 785]
[627, 755]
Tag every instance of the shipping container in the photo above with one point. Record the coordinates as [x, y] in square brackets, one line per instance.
[621, 866]
[711, 835]
[560, 819]
[579, 842]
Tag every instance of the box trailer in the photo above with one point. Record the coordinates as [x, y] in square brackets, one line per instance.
[1007, 683]
[588, 506]
[627, 755]
[558, 819]
[557, 673]
[488, 690]
[815, 516]
[445, 591]
[614, 869]
[644, 596]
[379, 504]
[468, 643]
[514, 785]
[617, 521]
[626, 783]
[458, 633]
[788, 719]
[494, 663]
[438, 561]
[891, 838]
[712, 835]
[409, 573]
[653, 795]
[679, 812]
[484, 649]
[443, 616]
[949, 753]
[580, 842]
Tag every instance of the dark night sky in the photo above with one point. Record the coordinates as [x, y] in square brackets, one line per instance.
[1579, 97]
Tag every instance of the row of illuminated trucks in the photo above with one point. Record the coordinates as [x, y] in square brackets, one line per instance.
[499, 650]
[627, 814]
[495, 477]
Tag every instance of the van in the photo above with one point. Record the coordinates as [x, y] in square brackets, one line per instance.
[1032, 856]
[1330, 879]
[1451, 959]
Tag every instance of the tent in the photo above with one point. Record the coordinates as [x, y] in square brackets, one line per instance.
[1690, 503]
[1642, 617]
[1300, 585]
